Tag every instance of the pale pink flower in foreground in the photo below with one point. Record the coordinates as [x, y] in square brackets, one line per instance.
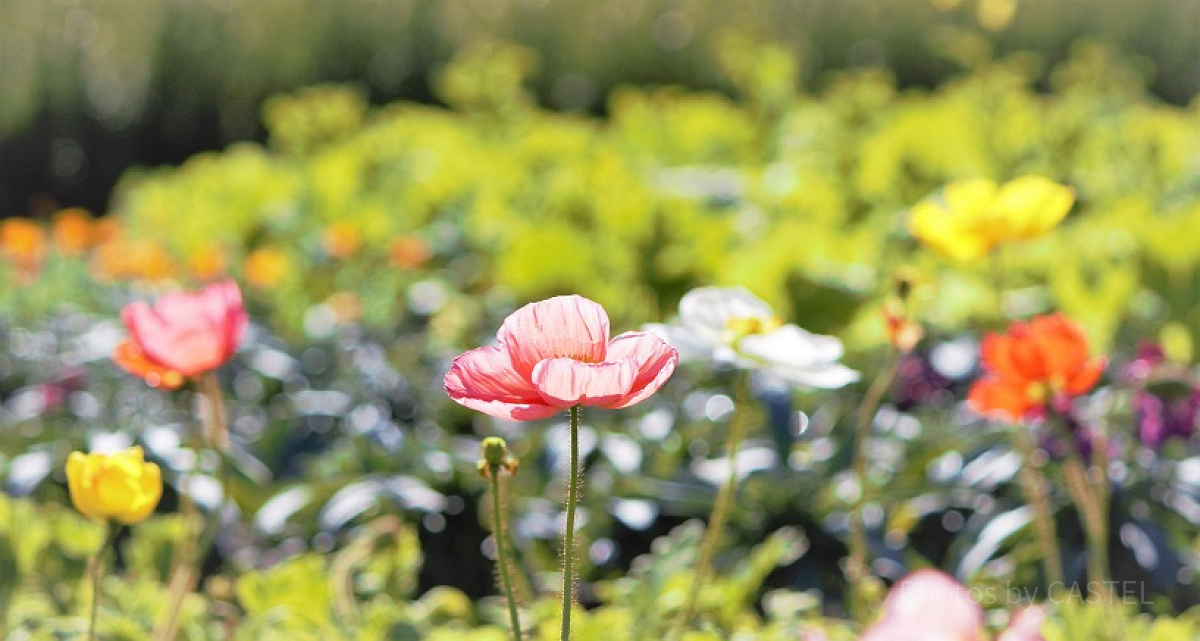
[184, 333]
[555, 354]
[930, 606]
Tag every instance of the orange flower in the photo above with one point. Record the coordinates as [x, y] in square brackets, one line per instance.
[105, 230]
[342, 239]
[122, 258]
[347, 306]
[74, 231]
[409, 252]
[130, 357]
[1031, 364]
[208, 262]
[23, 242]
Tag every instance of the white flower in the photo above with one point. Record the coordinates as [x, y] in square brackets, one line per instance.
[730, 325]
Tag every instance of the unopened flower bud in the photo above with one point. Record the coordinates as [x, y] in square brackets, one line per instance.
[495, 457]
[495, 451]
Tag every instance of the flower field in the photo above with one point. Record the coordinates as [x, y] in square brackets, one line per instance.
[850, 362]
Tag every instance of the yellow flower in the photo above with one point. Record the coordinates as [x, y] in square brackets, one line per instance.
[973, 216]
[120, 486]
[266, 267]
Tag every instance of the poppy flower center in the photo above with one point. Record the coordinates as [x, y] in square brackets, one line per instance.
[742, 326]
[1037, 392]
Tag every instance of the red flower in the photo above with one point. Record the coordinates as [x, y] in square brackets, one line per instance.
[184, 334]
[1031, 364]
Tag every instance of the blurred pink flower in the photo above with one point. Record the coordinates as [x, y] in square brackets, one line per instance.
[555, 354]
[1025, 625]
[930, 606]
[185, 332]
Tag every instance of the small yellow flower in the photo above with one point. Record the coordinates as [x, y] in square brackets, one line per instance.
[996, 15]
[973, 216]
[120, 486]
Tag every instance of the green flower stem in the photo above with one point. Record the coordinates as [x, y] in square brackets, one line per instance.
[183, 581]
[183, 573]
[1034, 487]
[1098, 562]
[1092, 516]
[187, 573]
[217, 431]
[568, 592]
[1100, 483]
[856, 566]
[499, 533]
[720, 510]
[96, 570]
[216, 425]
[1088, 486]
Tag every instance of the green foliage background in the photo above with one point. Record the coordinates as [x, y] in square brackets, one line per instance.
[800, 197]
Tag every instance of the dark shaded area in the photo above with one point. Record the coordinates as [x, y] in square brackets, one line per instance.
[74, 160]
[454, 553]
[66, 156]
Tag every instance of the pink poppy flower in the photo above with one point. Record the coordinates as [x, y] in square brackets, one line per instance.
[930, 606]
[555, 354]
[187, 333]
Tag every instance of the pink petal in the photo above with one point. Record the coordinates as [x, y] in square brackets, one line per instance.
[189, 350]
[899, 631]
[212, 304]
[1026, 625]
[561, 327]
[655, 361]
[931, 603]
[233, 321]
[564, 382]
[483, 379]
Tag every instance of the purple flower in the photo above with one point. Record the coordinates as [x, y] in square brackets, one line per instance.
[919, 383]
[1159, 418]
[1166, 398]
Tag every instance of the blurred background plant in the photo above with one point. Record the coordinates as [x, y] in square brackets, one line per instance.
[375, 240]
[95, 86]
